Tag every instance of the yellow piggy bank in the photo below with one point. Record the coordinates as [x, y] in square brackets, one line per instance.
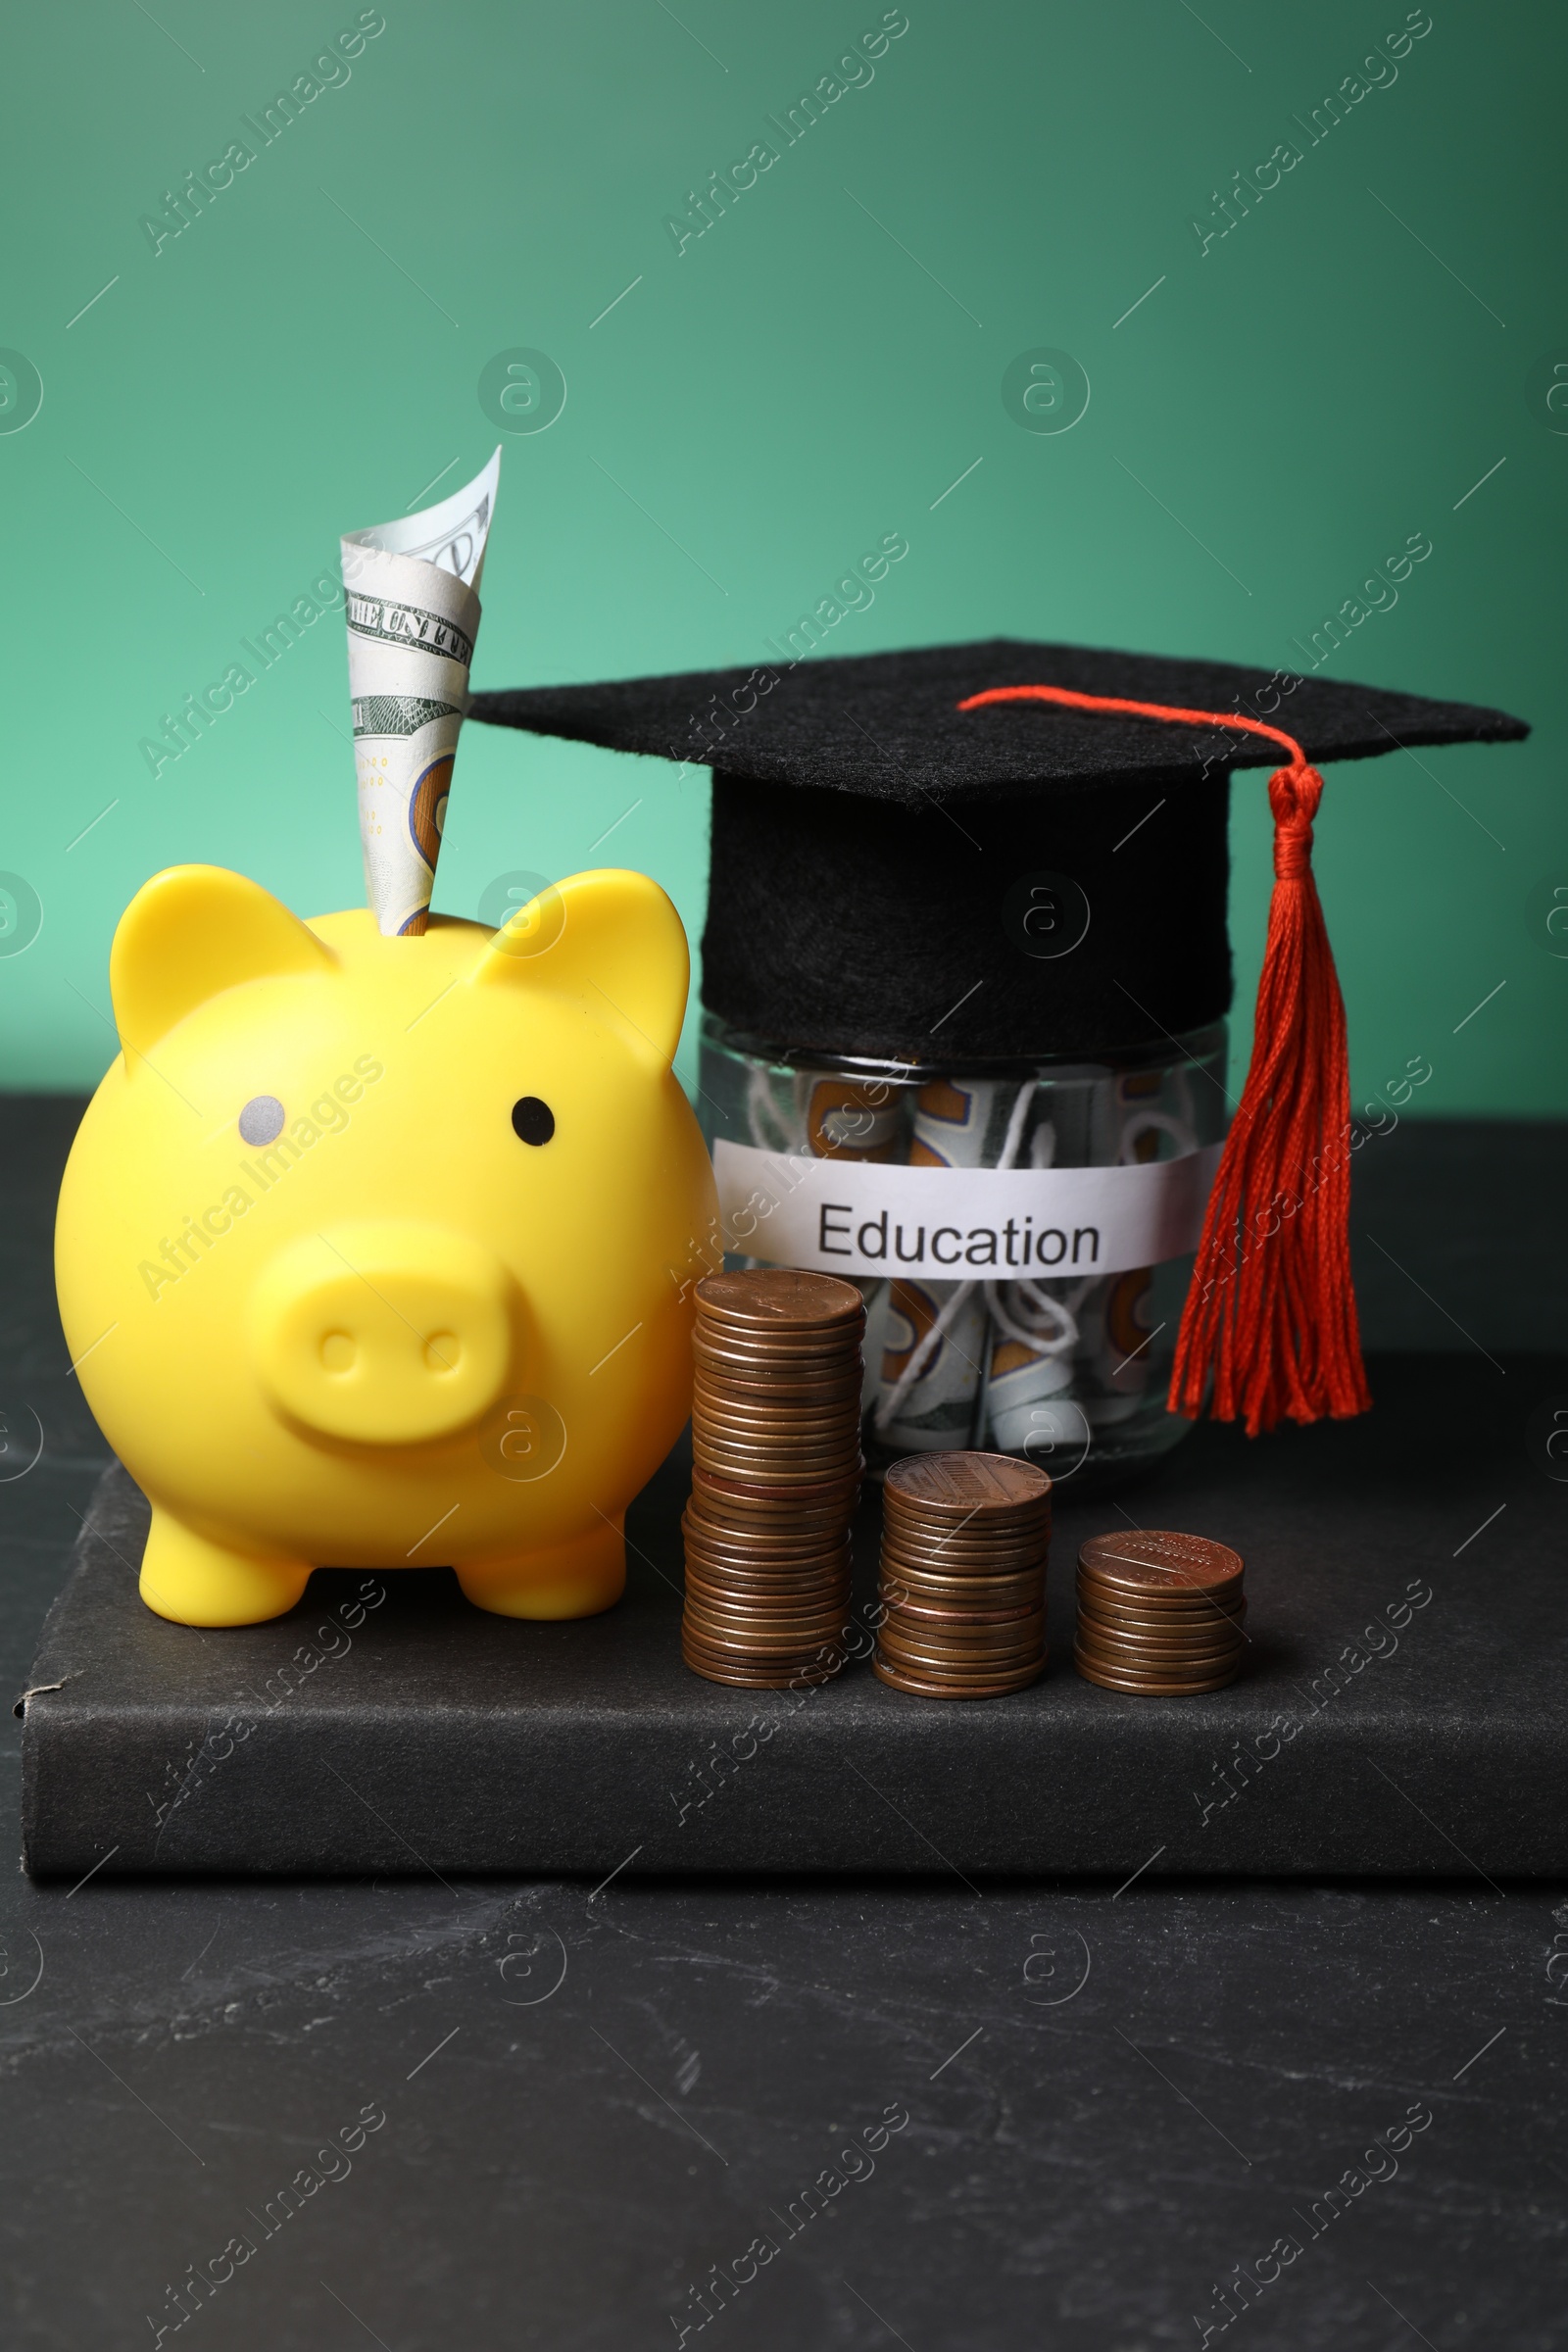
[378, 1253]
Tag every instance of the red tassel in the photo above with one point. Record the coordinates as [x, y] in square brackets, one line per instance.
[1271, 1310]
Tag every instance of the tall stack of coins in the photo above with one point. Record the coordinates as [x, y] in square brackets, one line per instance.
[1159, 1613]
[775, 1477]
[964, 1537]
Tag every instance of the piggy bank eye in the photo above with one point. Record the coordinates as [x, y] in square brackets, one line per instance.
[532, 1120]
[261, 1119]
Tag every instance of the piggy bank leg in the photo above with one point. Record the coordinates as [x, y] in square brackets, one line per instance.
[577, 1579]
[195, 1582]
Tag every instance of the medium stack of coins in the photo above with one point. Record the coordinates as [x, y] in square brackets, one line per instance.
[775, 1478]
[1159, 1613]
[964, 1537]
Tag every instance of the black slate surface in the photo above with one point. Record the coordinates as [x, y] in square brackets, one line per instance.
[565, 2156]
[1405, 1701]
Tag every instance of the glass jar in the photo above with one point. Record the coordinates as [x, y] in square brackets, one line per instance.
[1068, 1369]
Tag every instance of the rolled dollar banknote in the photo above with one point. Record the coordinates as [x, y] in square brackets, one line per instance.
[937, 1333]
[412, 601]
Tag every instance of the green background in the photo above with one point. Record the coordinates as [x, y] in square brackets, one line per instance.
[1278, 415]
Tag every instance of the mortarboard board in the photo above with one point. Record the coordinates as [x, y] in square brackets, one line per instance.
[874, 822]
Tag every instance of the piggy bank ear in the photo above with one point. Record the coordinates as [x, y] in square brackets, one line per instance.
[612, 940]
[190, 932]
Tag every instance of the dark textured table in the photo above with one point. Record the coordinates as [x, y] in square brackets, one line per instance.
[662, 2111]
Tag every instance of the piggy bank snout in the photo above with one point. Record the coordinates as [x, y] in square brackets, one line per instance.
[383, 1334]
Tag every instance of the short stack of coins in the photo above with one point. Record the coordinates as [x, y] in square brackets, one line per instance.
[775, 1477]
[1159, 1614]
[964, 1538]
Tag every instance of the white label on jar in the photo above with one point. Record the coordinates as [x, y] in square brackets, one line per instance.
[842, 1216]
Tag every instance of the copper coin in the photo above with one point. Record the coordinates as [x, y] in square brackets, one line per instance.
[795, 1389]
[1031, 1527]
[1170, 1603]
[711, 1531]
[776, 1420]
[758, 1418]
[751, 1600]
[954, 1485]
[729, 1383]
[783, 1445]
[803, 1593]
[759, 1600]
[798, 1636]
[1214, 1633]
[789, 1543]
[814, 1529]
[723, 1491]
[723, 1356]
[789, 1642]
[921, 1686]
[756, 1490]
[774, 1471]
[794, 1385]
[1022, 1543]
[1157, 1661]
[1109, 1680]
[780, 1444]
[940, 1568]
[752, 1679]
[895, 1607]
[972, 1543]
[920, 1612]
[831, 1465]
[964, 1607]
[767, 1547]
[807, 1657]
[987, 1593]
[1000, 1675]
[978, 1669]
[1197, 1634]
[823, 1622]
[1011, 1559]
[811, 1647]
[955, 1663]
[751, 1433]
[1157, 1560]
[960, 1586]
[962, 1633]
[951, 1662]
[960, 1523]
[756, 1542]
[779, 1295]
[772, 1513]
[1014, 1560]
[1205, 1607]
[766, 1635]
[802, 1560]
[746, 1556]
[967, 1536]
[774, 1397]
[944, 1666]
[765, 1678]
[1171, 1608]
[792, 1533]
[734, 1349]
[1116, 1640]
[1154, 1670]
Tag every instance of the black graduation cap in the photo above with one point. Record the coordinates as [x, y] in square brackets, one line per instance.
[873, 844]
[1008, 850]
